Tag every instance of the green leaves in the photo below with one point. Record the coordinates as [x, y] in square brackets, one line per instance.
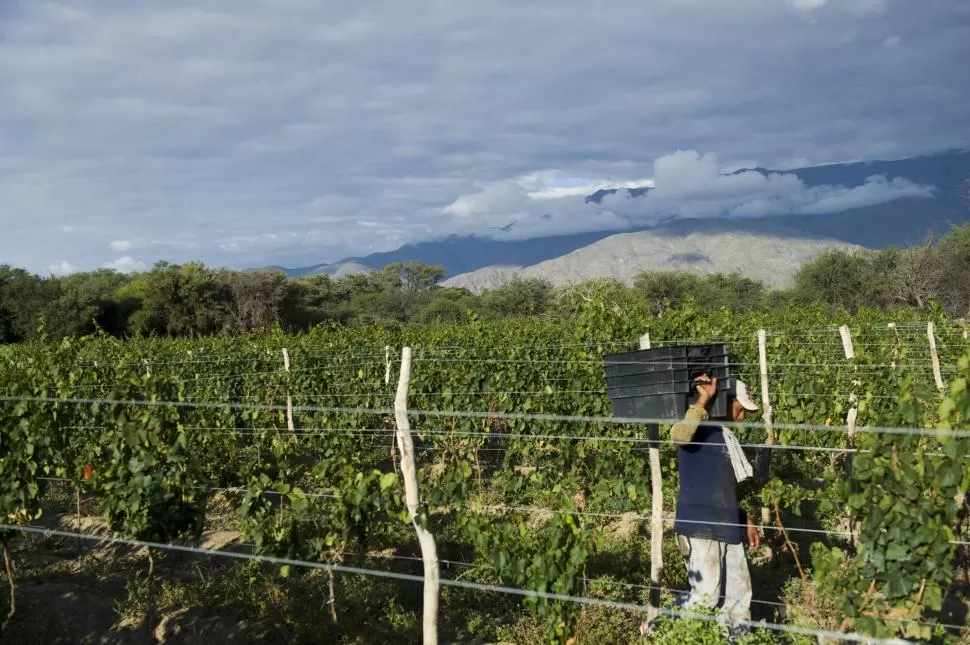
[388, 480]
[907, 484]
[332, 487]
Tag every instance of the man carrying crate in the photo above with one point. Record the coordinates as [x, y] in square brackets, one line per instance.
[710, 525]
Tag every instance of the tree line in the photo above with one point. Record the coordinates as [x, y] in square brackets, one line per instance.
[192, 300]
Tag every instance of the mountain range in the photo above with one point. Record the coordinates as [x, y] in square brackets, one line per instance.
[767, 248]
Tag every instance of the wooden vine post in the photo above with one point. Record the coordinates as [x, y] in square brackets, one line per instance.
[853, 397]
[387, 364]
[657, 508]
[934, 356]
[289, 397]
[892, 326]
[409, 473]
[850, 418]
[764, 463]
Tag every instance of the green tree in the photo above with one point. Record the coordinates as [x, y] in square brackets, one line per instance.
[439, 310]
[917, 276]
[356, 283]
[23, 299]
[519, 297]
[848, 279]
[85, 302]
[604, 294]
[733, 291]
[954, 284]
[395, 292]
[256, 299]
[411, 276]
[444, 305]
[380, 307]
[176, 300]
[662, 289]
[8, 307]
[318, 299]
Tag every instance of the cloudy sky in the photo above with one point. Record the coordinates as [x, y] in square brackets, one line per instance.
[244, 132]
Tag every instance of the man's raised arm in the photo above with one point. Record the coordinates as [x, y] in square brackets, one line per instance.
[683, 431]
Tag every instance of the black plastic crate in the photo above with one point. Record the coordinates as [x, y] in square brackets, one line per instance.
[659, 406]
[656, 383]
[675, 379]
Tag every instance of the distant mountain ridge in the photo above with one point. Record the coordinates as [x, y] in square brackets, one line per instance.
[901, 222]
[770, 258]
[463, 253]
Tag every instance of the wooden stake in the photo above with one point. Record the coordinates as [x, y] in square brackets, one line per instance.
[849, 354]
[895, 344]
[934, 356]
[657, 510]
[332, 601]
[77, 502]
[387, 364]
[765, 461]
[850, 419]
[847, 341]
[429, 553]
[8, 569]
[289, 398]
[387, 380]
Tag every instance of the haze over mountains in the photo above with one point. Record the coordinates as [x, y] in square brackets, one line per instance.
[768, 248]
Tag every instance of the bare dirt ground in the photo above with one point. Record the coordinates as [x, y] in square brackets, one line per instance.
[75, 593]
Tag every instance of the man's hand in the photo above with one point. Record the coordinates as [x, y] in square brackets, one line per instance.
[706, 389]
[754, 539]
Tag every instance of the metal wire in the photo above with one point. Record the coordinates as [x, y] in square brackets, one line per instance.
[791, 629]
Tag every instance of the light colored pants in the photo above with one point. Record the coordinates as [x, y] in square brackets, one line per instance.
[717, 571]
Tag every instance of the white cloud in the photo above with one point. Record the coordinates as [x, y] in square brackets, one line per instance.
[126, 264]
[554, 185]
[500, 197]
[808, 5]
[860, 7]
[869, 6]
[891, 43]
[199, 130]
[61, 268]
[686, 184]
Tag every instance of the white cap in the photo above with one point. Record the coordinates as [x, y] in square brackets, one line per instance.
[741, 394]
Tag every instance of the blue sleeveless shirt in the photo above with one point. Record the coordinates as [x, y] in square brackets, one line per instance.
[707, 504]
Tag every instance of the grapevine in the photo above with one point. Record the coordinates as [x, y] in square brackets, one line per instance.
[331, 486]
